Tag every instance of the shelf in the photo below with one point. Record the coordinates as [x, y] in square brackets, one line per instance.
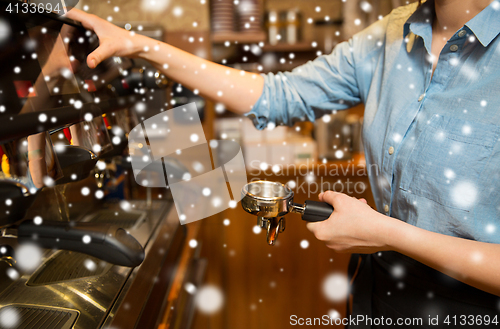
[286, 47]
[240, 37]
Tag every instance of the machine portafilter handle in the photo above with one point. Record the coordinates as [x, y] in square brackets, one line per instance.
[312, 211]
[109, 243]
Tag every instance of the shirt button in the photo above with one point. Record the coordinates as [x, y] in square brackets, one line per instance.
[391, 150]
[421, 97]
[453, 47]
[386, 208]
[462, 33]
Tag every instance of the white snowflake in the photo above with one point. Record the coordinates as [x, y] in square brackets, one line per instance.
[209, 299]
[9, 318]
[336, 287]
[28, 257]
[125, 205]
[464, 194]
[12, 274]
[37, 220]
[90, 265]
[86, 239]
[304, 244]
[490, 228]
[190, 288]
[48, 181]
[334, 314]
[398, 271]
[366, 6]
[193, 243]
[450, 174]
[85, 191]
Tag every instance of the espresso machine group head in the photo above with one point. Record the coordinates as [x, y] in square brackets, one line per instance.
[269, 201]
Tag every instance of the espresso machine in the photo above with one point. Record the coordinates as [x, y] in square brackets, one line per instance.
[94, 261]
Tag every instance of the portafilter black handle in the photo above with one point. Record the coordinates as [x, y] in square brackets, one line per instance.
[316, 211]
[109, 243]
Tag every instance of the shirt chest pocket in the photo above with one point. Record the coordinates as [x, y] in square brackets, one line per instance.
[447, 160]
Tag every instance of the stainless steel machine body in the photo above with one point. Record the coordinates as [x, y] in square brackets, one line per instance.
[72, 287]
[85, 292]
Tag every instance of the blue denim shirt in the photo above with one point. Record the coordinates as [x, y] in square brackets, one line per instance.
[435, 138]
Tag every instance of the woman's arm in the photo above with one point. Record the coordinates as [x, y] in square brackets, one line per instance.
[336, 81]
[36, 158]
[238, 90]
[472, 262]
[355, 227]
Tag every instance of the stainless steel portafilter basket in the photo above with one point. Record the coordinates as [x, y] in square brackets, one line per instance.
[269, 201]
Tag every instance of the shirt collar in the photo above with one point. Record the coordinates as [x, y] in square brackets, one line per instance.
[420, 23]
[485, 25]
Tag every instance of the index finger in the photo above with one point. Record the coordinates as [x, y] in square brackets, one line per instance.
[87, 20]
[330, 196]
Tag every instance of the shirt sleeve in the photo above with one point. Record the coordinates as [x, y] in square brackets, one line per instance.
[330, 82]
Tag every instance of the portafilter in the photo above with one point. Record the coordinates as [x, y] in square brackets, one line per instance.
[269, 201]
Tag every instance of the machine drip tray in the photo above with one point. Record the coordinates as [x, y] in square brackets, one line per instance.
[39, 317]
[68, 265]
